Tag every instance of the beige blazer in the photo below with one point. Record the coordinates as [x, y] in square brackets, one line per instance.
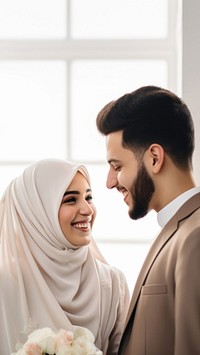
[164, 313]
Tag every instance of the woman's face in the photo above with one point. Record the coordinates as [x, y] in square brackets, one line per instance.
[77, 212]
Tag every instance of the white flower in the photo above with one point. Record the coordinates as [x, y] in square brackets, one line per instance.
[83, 333]
[64, 342]
[45, 338]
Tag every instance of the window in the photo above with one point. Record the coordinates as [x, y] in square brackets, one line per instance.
[60, 63]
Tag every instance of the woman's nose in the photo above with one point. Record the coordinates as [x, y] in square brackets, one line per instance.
[112, 180]
[86, 208]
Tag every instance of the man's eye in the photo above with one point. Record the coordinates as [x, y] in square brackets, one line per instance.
[117, 168]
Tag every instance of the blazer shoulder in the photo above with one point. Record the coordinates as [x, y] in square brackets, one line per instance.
[189, 207]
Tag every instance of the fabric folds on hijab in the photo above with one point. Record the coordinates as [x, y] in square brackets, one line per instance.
[45, 280]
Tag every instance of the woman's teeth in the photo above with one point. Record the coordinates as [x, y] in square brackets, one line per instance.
[81, 225]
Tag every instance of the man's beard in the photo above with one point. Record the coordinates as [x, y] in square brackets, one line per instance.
[141, 191]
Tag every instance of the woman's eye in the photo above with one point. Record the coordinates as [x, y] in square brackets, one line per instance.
[117, 168]
[70, 200]
[89, 198]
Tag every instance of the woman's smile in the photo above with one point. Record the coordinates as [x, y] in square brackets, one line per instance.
[83, 226]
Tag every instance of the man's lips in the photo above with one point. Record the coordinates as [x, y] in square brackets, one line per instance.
[124, 192]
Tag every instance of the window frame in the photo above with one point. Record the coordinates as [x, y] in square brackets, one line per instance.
[68, 50]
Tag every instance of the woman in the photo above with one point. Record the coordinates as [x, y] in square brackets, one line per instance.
[51, 271]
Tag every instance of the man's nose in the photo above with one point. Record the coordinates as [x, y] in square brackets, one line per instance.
[112, 180]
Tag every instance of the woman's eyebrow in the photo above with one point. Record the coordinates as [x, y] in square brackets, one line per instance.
[74, 192]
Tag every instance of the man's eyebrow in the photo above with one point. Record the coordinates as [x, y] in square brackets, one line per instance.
[74, 192]
[110, 161]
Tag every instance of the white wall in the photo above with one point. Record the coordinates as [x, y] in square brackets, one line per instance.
[191, 69]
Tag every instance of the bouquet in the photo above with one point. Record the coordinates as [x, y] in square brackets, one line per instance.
[45, 341]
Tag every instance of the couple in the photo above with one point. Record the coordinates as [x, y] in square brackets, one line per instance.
[52, 273]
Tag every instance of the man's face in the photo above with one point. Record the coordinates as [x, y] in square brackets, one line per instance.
[129, 176]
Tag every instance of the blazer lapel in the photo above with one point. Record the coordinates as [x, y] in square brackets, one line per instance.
[158, 244]
[156, 247]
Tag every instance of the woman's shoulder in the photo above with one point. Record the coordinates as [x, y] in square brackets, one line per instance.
[114, 274]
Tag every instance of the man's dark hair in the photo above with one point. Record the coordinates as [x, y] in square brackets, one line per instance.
[150, 115]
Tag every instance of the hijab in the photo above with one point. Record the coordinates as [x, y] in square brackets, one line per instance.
[44, 279]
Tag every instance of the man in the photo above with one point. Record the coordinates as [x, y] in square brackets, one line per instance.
[150, 143]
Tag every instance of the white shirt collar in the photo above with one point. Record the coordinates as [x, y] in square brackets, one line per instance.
[169, 210]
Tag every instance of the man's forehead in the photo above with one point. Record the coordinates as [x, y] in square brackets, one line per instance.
[114, 138]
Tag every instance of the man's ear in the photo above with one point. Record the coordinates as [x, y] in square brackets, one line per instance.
[156, 154]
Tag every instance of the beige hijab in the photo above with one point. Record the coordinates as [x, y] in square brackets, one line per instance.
[45, 280]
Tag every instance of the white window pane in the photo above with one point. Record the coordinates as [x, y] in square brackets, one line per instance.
[94, 83]
[8, 173]
[21, 19]
[119, 18]
[32, 110]
[112, 219]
